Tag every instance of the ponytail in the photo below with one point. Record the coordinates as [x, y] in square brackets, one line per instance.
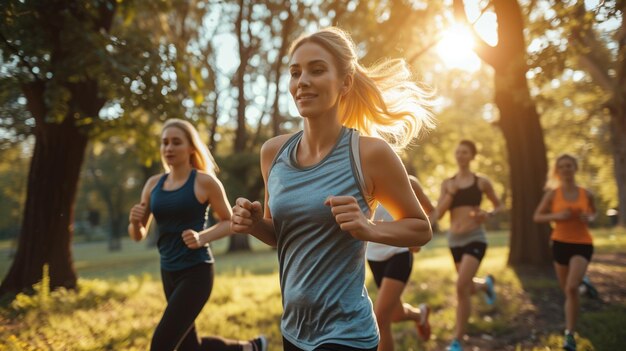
[383, 101]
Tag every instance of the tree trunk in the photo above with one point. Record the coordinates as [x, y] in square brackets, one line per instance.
[526, 151]
[115, 239]
[519, 122]
[278, 67]
[618, 142]
[618, 122]
[239, 242]
[47, 230]
[241, 134]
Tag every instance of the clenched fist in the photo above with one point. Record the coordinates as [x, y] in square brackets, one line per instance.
[192, 239]
[349, 216]
[246, 215]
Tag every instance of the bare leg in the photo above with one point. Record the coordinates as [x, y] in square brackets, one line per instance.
[465, 287]
[577, 268]
[388, 309]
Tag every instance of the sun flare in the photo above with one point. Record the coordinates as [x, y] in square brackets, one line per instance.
[456, 49]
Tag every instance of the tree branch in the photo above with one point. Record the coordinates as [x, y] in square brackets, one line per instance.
[597, 74]
[486, 52]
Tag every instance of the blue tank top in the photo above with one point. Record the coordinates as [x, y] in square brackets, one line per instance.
[322, 268]
[175, 211]
[470, 196]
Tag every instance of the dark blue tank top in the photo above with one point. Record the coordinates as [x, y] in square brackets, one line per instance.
[470, 196]
[175, 211]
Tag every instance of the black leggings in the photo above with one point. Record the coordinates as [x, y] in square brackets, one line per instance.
[287, 346]
[187, 291]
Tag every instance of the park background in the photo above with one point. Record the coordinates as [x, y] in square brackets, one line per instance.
[85, 87]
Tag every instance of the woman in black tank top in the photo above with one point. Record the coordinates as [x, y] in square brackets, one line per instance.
[186, 262]
[462, 196]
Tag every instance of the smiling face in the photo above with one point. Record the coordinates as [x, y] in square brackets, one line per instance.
[175, 147]
[315, 84]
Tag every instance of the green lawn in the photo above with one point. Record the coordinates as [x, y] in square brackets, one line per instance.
[120, 301]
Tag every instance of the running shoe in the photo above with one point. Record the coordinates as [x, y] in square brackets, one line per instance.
[423, 327]
[589, 289]
[490, 293]
[259, 343]
[455, 345]
[569, 343]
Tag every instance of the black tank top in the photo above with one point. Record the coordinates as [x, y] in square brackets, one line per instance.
[470, 196]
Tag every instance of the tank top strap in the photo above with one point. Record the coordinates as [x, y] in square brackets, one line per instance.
[355, 161]
[286, 146]
[192, 178]
[159, 184]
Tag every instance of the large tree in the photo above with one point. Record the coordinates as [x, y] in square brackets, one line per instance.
[69, 60]
[42, 40]
[519, 122]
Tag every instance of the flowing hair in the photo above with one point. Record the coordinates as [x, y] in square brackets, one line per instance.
[201, 159]
[553, 181]
[384, 100]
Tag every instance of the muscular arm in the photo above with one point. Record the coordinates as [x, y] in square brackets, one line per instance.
[389, 183]
[421, 196]
[263, 229]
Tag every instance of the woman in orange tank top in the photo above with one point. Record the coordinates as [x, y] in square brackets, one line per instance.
[570, 208]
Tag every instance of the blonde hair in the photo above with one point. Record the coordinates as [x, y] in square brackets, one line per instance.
[553, 181]
[384, 101]
[201, 159]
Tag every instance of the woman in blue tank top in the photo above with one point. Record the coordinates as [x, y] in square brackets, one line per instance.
[315, 212]
[462, 195]
[179, 200]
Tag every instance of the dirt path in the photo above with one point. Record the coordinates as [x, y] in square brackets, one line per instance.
[541, 311]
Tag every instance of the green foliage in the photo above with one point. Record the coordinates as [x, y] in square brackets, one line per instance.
[112, 183]
[241, 175]
[114, 316]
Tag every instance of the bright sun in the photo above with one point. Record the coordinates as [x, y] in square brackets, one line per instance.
[456, 49]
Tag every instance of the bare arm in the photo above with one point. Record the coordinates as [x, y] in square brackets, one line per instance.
[248, 217]
[421, 196]
[542, 212]
[140, 214]
[590, 215]
[214, 190]
[487, 188]
[446, 195]
[390, 185]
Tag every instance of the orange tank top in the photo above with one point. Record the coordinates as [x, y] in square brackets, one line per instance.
[573, 230]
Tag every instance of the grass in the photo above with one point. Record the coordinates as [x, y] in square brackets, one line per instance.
[119, 302]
